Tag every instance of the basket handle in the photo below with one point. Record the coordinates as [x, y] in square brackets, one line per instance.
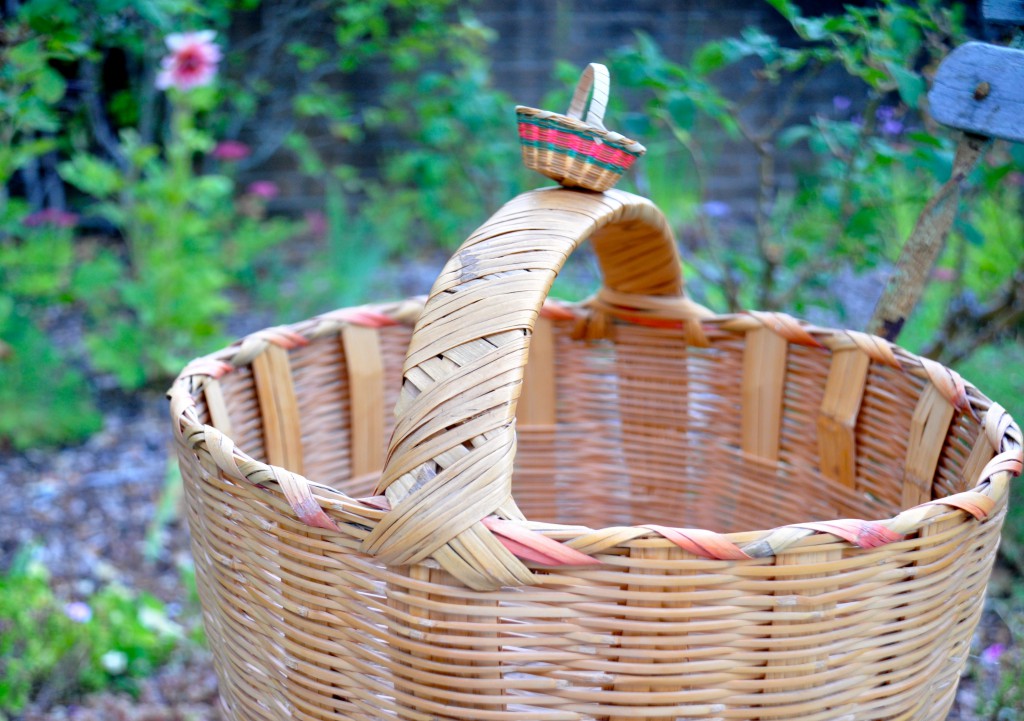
[449, 465]
[595, 77]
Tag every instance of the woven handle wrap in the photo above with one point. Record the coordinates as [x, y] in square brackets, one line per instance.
[450, 461]
[595, 77]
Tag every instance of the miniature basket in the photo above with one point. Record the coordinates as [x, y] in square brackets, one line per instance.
[577, 152]
[730, 516]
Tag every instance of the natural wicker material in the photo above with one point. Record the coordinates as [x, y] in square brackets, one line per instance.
[576, 149]
[642, 418]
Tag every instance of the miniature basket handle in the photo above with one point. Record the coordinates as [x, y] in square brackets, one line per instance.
[449, 465]
[595, 77]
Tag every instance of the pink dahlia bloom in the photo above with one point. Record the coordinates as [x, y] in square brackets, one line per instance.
[192, 62]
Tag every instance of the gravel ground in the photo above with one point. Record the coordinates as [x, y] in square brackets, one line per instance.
[90, 507]
[88, 510]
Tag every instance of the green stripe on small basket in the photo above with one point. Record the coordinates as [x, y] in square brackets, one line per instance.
[562, 151]
[555, 125]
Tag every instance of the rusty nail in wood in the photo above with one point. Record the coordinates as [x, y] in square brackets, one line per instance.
[981, 92]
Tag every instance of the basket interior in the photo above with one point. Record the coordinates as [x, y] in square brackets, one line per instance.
[646, 430]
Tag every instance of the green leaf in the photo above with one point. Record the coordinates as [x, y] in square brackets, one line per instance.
[793, 135]
[909, 84]
[50, 86]
[709, 58]
[863, 223]
[27, 56]
[971, 234]
[91, 175]
[682, 109]
[786, 8]
[922, 138]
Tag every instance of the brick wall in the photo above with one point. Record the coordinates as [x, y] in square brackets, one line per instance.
[534, 34]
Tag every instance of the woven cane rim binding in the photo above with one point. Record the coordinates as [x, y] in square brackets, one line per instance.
[320, 506]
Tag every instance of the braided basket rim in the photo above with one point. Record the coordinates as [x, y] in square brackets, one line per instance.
[993, 484]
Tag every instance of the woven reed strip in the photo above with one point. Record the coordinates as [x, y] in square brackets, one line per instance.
[764, 375]
[844, 392]
[365, 369]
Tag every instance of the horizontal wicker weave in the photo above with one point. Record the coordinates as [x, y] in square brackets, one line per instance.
[377, 581]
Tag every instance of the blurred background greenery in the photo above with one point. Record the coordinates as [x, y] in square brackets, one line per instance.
[135, 227]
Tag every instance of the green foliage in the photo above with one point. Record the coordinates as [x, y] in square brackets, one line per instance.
[60, 650]
[867, 175]
[996, 669]
[190, 238]
[187, 244]
[452, 150]
[36, 267]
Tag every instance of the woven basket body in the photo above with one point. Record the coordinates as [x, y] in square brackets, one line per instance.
[706, 467]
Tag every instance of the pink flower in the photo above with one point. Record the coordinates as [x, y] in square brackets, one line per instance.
[231, 150]
[52, 217]
[944, 274]
[316, 223]
[265, 189]
[192, 62]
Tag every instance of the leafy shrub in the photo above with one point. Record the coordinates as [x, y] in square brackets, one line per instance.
[59, 650]
[187, 245]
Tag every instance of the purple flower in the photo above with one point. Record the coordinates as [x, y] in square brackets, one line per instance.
[892, 127]
[53, 217]
[890, 123]
[993, 654]
[841, 103]
[78, 612]
[716, 209]
[266, 189]
[231, 150]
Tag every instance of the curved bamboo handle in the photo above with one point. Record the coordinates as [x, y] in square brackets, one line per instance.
[450, 461]
[595, 76]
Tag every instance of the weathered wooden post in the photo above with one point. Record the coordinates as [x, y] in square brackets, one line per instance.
[978, 89]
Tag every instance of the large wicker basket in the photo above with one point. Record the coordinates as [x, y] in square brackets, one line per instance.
[682, 473]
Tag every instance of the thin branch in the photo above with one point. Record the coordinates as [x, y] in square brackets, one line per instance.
[849, 179]
[32, 179]
[53, 185]
[101, 129]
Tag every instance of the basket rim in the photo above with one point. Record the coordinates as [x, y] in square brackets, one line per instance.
[336, 512]
[582, 127]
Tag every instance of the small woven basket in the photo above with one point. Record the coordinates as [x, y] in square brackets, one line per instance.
[574, 151]
[730, 516]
